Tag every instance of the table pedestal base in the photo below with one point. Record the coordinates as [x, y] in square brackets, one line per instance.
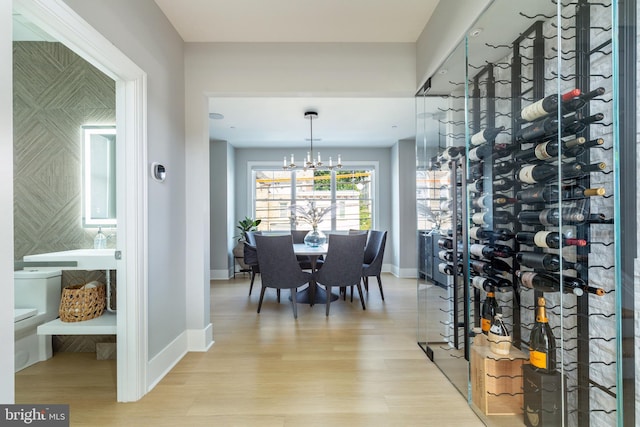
[306, 296]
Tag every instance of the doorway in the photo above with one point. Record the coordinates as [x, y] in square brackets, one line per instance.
[59, 21]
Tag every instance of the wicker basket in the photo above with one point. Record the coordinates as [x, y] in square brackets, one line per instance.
[82, 302]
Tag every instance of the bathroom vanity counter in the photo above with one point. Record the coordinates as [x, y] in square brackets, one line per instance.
[85, 259]
[103, 325]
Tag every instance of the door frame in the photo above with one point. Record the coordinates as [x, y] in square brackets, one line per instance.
[61, 22]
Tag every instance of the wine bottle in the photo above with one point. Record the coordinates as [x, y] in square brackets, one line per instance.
[542, 343]
[502, 184]
[551, 216]
[445, 243]
[483, 283]
[449, 269]
[576, 150]
[545, 106]
[550, 126]
[498, 217]
[544, 282]
[486, 135]
[547, 239]
[494, 268]
[479, 233]
[545, 261]
[549, 193]
[476, 171]
[489, 309]
[491, 251]
[488, 200]
[486, 151]
[498, 327]
[534, 174]
[503, 167]
[547, 149]
[476, 186]
[581, 100]
[446, 256]
[452, 153]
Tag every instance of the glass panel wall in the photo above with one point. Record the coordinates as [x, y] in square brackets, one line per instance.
[527, 321]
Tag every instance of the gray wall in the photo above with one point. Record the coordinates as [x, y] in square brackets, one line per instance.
[55, 92]
[143, 33]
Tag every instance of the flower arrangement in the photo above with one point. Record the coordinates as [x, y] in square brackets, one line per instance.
[310, 214]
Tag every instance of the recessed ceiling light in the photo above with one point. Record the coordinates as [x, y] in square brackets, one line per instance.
[475, 32]
[216, 116]
[394, 126]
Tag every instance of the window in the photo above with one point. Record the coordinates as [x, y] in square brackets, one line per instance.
[350, 190]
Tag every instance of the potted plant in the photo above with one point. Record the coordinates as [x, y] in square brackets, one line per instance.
[244, 225]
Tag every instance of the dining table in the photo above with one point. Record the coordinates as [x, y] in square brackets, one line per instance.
[313, 294]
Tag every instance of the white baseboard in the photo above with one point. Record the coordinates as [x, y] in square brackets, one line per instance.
[200, 339]
[220, 275]
[164, 361]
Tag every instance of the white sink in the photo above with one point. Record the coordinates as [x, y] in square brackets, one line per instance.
[87, 259]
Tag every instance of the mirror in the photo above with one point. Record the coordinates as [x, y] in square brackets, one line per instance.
[99, 176]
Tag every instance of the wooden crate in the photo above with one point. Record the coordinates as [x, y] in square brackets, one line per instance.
[496, 381]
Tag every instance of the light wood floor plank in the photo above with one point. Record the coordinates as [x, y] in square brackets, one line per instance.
[354, 368]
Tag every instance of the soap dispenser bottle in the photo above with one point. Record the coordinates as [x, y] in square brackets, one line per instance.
[100, 241]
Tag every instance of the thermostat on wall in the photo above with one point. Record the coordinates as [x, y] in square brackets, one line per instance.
[158, 171]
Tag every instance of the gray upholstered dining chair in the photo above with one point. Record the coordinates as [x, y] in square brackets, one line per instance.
[279, 267]
[251, 256]
[373, 254]
[343, 264]
[298, 237]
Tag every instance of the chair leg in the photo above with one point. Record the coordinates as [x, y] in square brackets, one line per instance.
[343, 291]
[253, 277]
[351, 293]
[365, 280]
[328, 298]
[278, 295]
[361, 298]
[294, 297]
[380, 286]
[261, 297]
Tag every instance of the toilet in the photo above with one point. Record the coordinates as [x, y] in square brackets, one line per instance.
[37, 300]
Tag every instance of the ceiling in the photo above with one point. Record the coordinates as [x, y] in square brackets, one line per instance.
[279, 121]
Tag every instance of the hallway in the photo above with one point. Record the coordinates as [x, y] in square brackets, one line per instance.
[354, 368]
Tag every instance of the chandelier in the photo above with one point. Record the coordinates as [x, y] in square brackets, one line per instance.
[311, 162]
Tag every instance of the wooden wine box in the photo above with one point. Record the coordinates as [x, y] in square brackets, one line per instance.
[496, 380]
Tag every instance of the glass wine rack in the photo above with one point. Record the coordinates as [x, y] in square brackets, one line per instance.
[535, 200]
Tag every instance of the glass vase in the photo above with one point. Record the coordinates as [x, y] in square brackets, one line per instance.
[315, 238]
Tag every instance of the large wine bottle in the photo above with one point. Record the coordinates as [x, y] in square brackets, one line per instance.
[486, 135]
[542, 343]
[547, 239]
[491, 251]
[545, 282]
[545, 261]
[496, 267]
[498, 217]
[479, 233]
[445, 243]
[551, 216]
[581, 100]
[449, 269]
[483, 283]
[504, 167]
[489, 200]
[547, 150]
[569, 125]
[545, 106]
[489, 309]
[502, 184]
[452, 153]
[549, 193]
[541, 173]
[476, 186]
[486, 151]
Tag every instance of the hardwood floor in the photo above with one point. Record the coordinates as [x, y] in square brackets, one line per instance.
[353, 368]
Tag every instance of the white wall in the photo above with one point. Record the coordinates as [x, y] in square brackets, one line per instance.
[6, 200]
[142, 32]
[269, 69]
[445, 29]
